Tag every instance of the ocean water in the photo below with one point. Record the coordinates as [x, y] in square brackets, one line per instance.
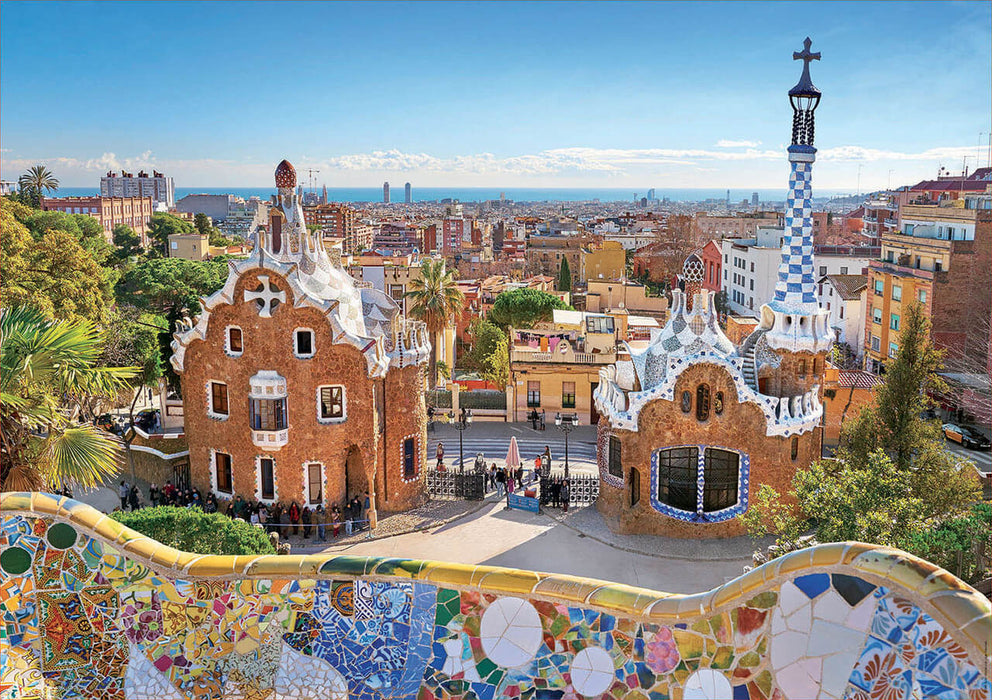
[480, 194]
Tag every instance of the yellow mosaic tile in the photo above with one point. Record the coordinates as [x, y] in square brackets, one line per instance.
[792, 562]
[941, 580]
[622, 598]
[751, 581]
[514, 581]
[727, 593]
[16, 502]
[959, 607]
[828, 554]
[566, 588]
[458, 575]
[210, 565]
[853, 550]
[400, 568]
[979, 631]
[145, 548]
[274, 566]
[877, 561]
[45, 504]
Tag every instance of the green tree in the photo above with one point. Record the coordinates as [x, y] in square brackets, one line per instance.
[171, 287]
[132, 339]
[522, 308]
[875, 503]
[162, 226]
[219, 240]
[960, 545]
[435, 299]
[490, 348]
[192, 530]
[46, 368]
[36, 181]
[202, 223]
[769, 514]
[564, 277]
[127, 245]
[894, 422]
[52, 273]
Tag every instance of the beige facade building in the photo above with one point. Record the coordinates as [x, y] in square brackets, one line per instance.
[135, 212]
[604, 261]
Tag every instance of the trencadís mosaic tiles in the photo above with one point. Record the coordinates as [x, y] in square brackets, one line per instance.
[91, 610]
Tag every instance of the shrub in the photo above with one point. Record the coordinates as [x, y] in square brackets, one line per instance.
[192, 530]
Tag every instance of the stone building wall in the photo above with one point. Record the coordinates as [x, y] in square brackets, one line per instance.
[268, 345]
[663, 424]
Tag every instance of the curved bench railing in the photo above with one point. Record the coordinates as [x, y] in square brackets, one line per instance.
[93, 609]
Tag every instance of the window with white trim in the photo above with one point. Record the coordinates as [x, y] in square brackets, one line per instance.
[330, 403]
[303, 346]
[266, 479]
[409, 458]
[223, 474]
[268, 414]
[217, 401]
[235, 341]
[315, 482]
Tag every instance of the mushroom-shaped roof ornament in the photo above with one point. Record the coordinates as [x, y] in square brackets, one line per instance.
[285, 175]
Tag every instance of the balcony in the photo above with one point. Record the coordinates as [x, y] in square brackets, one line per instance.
[270, 439]
[869, 219]
[891, 222]
[576, 358]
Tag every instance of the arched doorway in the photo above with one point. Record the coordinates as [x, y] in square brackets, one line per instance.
[356, 480]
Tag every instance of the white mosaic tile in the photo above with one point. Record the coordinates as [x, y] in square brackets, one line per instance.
[707, 684]
[510, 632]
[592, 671]
[301, 677]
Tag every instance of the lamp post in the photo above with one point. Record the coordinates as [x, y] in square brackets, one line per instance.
[565, 423]
[464, 420]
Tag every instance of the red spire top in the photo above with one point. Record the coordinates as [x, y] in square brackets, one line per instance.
[285, 175]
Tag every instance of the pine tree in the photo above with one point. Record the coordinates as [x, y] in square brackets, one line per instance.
[564, 277]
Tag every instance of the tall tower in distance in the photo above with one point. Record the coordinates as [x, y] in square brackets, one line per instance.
[754, 199]
[408, 193]
[385, 192]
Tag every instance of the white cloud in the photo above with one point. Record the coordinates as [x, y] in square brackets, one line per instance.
[726, 143]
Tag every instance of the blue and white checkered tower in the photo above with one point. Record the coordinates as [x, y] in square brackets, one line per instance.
[794, 320]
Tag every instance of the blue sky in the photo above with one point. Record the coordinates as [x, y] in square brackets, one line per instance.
[491, 94]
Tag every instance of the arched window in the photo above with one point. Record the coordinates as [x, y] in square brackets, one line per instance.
[718, 403]
[702, 402]
[680, 470]
[795, 448]
[802, 368]
[686, 402]
[815, 369]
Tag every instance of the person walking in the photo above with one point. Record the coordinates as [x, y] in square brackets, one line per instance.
[546, 458]
[320, 517]
[500, 483]
[294, 518]
[439, 454]
[124, 491]
[335, 520]
[153, 495]
[305, 517]
[564, 496]
[134, 497]
[509, 481]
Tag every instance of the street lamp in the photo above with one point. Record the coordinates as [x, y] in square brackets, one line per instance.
[464, 420]
[565, 423]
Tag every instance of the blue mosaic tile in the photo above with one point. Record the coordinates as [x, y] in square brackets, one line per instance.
[813, 584]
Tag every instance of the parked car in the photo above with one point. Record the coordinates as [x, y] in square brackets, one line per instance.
[966, 437]
[146, 419]
[107, 422]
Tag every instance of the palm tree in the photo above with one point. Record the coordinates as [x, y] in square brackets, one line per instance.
[436, 298]
[36, 180]
[46, 369]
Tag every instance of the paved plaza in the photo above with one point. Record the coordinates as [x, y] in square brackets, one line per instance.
[576, 544]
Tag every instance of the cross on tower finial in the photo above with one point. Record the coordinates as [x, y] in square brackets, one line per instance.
[267, 296]
[806, 56]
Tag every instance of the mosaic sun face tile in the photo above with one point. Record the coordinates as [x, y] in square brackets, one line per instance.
[81, 619]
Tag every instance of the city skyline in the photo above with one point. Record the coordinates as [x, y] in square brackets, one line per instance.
[582, 95]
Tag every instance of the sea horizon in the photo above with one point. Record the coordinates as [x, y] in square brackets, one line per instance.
[481, 194]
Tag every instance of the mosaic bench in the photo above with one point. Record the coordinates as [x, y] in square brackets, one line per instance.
[92, 609]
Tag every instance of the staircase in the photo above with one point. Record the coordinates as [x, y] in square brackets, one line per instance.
[748, 368]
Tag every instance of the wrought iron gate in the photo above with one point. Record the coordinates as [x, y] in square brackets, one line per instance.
[448, 485]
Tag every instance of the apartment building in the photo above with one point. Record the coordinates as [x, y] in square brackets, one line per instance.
[845, 297]
[341, 222]
[160, 188]
[135, 212]
[745, 226]
[603, 261]
[750, 266]
[941, 258]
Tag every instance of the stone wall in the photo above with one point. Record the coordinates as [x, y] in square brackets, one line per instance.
[268, 345]
[663, 424]
[94, 610]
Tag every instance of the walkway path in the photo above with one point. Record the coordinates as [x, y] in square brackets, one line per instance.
[499, 537]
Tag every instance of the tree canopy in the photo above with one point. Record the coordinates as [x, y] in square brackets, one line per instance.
[522, 308]
[434, 299]
[52, 272]
[192, 530]
[490, 348]
[36, 181]
[171, 287]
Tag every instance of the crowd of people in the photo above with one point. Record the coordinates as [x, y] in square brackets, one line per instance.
[286, 519]
[506, 480]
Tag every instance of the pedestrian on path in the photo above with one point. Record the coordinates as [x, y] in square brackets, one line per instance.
[439, 453]
[509, 481]
[546, 457]
[134, 497]
[500, 483]
[320, 516]
[123, 492]
[564, 496]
